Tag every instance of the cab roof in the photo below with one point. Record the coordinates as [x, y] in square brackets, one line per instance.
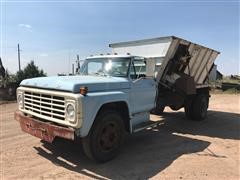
[112, 56]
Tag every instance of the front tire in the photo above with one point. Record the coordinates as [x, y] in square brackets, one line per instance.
[105, 138]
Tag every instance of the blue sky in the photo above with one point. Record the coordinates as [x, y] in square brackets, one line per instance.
[53, 33]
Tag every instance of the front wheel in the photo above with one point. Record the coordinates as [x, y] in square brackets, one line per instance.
[105, 138]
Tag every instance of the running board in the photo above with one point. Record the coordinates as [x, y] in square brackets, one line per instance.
[145, 125]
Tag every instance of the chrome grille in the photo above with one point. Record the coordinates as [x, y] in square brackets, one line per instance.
[47, 105]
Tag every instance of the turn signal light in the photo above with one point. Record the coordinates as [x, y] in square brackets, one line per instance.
[83, 90]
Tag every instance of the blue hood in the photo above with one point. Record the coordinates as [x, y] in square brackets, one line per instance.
[73, 83]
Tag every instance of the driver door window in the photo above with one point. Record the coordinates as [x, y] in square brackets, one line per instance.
[138, 69]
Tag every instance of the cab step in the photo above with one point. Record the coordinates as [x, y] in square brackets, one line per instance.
[145, 125]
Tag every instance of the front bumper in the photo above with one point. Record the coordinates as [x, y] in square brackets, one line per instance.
[43, 130]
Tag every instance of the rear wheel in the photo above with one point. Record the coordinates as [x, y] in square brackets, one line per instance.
[196, 109]
[105, 138]
[188, 107]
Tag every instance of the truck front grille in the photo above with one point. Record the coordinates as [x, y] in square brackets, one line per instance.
[47, 105]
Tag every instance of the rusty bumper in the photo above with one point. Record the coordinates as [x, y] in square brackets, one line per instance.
[43, 130]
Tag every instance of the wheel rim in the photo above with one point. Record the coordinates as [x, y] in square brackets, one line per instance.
[109, 137]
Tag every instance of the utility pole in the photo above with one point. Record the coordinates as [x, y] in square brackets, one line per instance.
[19, 63]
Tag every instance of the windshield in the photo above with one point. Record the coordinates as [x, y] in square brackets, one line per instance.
[106, 67]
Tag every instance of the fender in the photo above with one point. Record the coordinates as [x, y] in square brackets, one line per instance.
[92, 103]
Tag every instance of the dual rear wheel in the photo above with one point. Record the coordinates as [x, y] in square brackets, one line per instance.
[196, 107]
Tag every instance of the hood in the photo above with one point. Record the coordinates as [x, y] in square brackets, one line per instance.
[73, 83]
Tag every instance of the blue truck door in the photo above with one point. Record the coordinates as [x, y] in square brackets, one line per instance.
[143, 89]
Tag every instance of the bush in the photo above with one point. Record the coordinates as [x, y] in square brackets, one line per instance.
[30, 71]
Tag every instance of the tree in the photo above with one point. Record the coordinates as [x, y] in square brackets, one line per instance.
[30, 71]
[2, 69]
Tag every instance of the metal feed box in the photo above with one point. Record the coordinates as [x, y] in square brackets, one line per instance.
[161, 51]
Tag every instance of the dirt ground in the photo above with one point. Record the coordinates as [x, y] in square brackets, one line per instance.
[178, 149]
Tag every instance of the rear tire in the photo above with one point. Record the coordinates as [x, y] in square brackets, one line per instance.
[105, 138]
[196, 109]
[188, 108]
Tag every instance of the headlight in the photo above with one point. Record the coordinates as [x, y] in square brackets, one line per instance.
[20, 100]
[70, 112]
